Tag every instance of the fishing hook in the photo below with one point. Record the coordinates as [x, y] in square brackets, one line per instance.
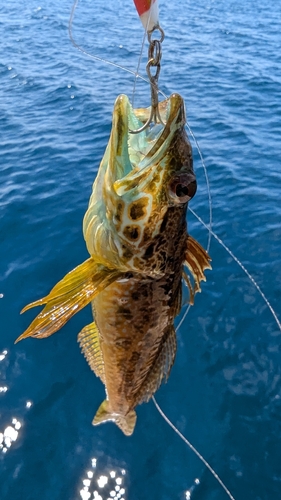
[154, 59]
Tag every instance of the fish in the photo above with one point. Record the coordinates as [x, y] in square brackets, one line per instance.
[135, 231]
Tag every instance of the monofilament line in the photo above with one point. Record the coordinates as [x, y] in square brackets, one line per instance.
[185, 440]
[92, 56]
[209, 227]
[140, 57]
[241, 266]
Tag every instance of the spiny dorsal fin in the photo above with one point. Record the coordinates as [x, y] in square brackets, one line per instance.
[161, 367]
[125, 422]
[197, 260]
[89, 341]
[69, 296]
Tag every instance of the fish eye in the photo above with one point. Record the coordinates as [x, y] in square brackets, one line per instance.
[182, 187]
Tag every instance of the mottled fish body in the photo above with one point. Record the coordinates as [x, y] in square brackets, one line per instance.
[135, 231]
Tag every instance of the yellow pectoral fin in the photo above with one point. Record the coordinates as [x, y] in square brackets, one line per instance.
[68, 297]
[72, 280]
[197, 260]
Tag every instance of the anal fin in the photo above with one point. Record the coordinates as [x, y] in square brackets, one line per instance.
[161, 367]
[89, 341]
[125, 422]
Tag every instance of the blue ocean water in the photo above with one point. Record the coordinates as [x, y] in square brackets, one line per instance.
[224, 392]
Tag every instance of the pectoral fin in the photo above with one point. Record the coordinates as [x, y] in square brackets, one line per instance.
[125, 422]
[68, 297]
[197, 261]
[89, 342]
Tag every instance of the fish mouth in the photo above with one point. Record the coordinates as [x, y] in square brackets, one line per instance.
[133, 156]
[140, 177]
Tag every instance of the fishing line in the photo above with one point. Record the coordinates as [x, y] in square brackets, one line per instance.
[138, 65]
[251, 278]
[140, 57]
[209, 227]
[188, 443]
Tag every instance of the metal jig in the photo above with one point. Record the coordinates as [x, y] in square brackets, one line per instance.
[154, 59]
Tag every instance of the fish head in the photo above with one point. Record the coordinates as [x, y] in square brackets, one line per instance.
[141, 177]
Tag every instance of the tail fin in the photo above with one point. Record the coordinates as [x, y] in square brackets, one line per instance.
[125, 422]
[68, 297]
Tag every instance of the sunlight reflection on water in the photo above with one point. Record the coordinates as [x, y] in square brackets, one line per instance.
[10, 435]
[108, 485]
[11, 432]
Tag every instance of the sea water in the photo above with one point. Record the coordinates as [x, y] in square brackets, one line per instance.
[224, 391]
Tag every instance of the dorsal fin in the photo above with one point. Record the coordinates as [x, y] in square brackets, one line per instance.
[161, 367]
[89, 341]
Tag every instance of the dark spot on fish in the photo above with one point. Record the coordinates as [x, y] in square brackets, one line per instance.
[161, 243]
[170, 261]
[144, 291]
[129, 275]
[131, 232]
[124, 312]
[172, 162]
[131, 185]
[167, 287]
[120, 133]
[128, 376]
[146, 234]
[164, 223]
[135, 357]
[146, 318]
[123, 342]
[152, 187]
[135, 296]
[163, 254]
[127, 253]
[137, 209]
[119, 212]
[149, 251]
[157, 178]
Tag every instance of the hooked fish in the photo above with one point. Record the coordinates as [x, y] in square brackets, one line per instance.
[136, 234]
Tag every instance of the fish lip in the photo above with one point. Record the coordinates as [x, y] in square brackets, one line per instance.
[125, 118]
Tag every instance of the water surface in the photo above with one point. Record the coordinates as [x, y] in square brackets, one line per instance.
[55, 117]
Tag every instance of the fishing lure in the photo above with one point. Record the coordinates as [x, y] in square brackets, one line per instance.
[135, 231]
[148, 11]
